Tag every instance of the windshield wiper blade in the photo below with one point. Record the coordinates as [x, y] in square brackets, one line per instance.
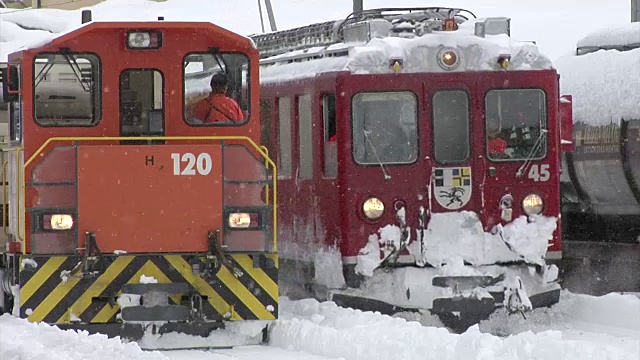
[375, 153]
[527, 161]
[71, 60]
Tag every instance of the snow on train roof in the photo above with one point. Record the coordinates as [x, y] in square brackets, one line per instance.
[603, 84]
[30, 28]
[418, 54]
[618, 36]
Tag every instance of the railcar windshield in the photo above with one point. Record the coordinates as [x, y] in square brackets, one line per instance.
[515, 120]
[66, 89]
[216, 89]
[385, 128]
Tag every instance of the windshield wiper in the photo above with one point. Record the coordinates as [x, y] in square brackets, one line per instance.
[71, 60]
[527, 161]
[42, 73]
[375, 153]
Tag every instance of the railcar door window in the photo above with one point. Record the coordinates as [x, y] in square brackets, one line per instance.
[451, 126]
[285, 163]
[141, 103]
[385, 128]
[305, 138]
[515, 119]
[216, 89]
[66, 89]
[330, 132]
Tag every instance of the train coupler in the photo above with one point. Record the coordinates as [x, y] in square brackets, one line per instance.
[150, 302]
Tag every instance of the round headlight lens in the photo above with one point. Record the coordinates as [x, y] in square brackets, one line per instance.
[373, 208]
[448, 59]
[532, 204]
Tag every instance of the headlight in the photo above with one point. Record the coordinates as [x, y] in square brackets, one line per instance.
[448, 59]
[373, 208]
[144, 40]
[60, 221]
[243, 220]
[532, 204]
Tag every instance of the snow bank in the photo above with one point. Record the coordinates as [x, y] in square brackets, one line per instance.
[612, 313]
[20, 339]
[325, 329]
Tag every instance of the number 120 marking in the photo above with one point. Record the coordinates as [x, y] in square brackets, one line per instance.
[202, 164]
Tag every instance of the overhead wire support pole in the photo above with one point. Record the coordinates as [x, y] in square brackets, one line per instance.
[272, 19]
[261, 18]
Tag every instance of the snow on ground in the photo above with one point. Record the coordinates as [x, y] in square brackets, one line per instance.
[580, 327]
[359, 335]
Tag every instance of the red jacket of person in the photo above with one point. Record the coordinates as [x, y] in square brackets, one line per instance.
[497, 146]
[217, 108]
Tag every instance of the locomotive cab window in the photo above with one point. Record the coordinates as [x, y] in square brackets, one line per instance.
[141, 103]
[216, 89]
[66, 89]
[516, 121]
[451, 126]
[385, 128]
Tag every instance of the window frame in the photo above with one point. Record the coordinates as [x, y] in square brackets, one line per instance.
[153, 70]
[542, 125]
[287, 173]
[417, 122]
[96, 100]
[469, 124]
[184, 91]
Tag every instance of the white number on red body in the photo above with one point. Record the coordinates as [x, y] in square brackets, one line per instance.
[539, 172]
[189, 164]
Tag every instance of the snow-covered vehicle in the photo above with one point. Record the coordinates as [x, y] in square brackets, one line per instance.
[601, 180]
[124, 214]
[424, 146]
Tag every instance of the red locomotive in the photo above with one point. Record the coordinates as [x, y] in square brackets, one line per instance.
[124, 208]
[425, 146]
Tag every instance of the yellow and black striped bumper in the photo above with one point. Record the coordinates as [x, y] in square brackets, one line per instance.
[55, 291]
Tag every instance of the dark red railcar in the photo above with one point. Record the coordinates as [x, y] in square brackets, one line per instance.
[385, 127]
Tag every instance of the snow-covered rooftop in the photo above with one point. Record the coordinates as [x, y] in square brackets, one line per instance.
[418, 54]
[604, 85]
[28, 28]
[611, 37]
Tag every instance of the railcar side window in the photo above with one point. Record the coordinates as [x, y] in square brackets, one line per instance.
[305, 137]
[451, 126]
[216, 89]
[515, 119]
[385, 128]
[284, 136]
[66, 89]
[330, 167]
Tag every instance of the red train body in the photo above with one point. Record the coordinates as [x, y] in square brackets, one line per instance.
[116, 193]
[382, 124]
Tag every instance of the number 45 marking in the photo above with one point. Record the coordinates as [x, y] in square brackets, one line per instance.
[539, 172]
[202, 163]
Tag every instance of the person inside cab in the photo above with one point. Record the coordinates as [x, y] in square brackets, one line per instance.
[497, 145]
[217, 106]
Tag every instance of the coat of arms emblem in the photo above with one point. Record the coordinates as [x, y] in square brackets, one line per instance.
[452, 186]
